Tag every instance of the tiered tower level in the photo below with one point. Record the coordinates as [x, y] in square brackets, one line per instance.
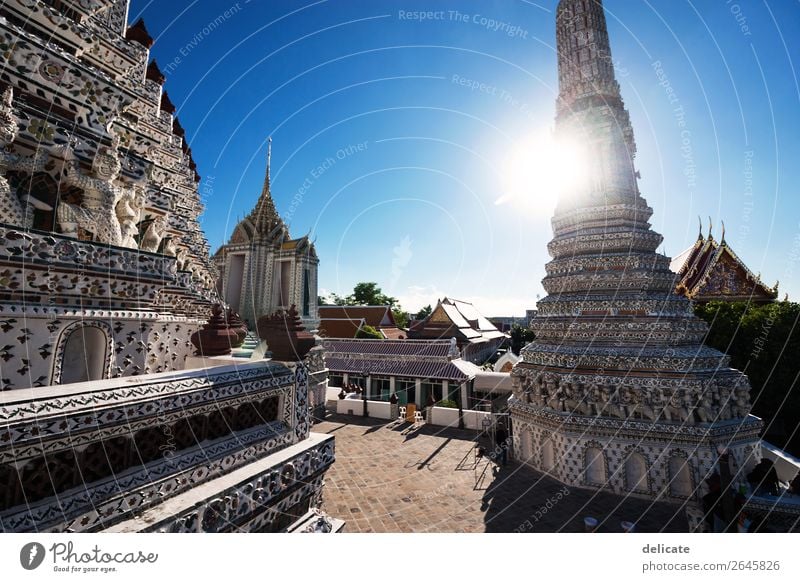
[618, 390]
[104, 270]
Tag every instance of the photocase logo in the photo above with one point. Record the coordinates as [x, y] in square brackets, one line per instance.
[31, 555]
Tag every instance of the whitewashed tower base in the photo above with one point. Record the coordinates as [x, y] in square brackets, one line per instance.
[618, 391]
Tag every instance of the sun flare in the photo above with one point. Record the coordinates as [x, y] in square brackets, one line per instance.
[541, 169]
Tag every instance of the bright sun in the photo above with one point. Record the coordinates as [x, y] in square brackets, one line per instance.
[540, 170]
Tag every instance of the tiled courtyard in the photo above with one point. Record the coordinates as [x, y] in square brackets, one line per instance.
[397, 478]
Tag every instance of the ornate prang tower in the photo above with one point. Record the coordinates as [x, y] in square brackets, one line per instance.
[618, 391]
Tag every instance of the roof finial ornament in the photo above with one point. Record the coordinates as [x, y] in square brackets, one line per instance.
[710, 228]
[269, 155]
[700, 230]
[722, 241]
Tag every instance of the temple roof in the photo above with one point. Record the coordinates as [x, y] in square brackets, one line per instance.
[459, 319]
[264, 224]
[403, 358]
[264, 216]
[374, 315]
[709, 270]
[345, 321]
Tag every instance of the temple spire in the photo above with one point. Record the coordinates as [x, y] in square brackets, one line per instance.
[585, 66]
[264, 214]
[269, 158]
[590, 111]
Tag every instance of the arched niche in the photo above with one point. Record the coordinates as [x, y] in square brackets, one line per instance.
[636, 472]
[548, 455]
[595, 466]
[680, 477]
[526, 446]
[83, 354]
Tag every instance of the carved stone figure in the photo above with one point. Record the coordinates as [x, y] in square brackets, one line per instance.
[705, 407]
[571, 397]
[627, 401]
[554, 394]
[641, 404]
[151, 239]
[724, 402]
[741, 406]
[169, 247]
[609, 398]
[128, 210]
[676, 406]
[97, 213]
[12, 210]
[182, 256]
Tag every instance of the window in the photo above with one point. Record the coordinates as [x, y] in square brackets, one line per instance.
[335, 380]
[406, 390]
[431, 389]
[381, 388]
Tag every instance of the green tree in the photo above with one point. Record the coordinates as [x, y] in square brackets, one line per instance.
[520, 337]
[763, 341]
[368, 332]
[370, 294]
[400, 316]
[424, 312]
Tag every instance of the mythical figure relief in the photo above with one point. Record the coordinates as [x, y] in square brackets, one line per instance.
[704, 408]
[649, 407]
[554, 394]
[609, 398]
[724, 399]
[741, 405]
[97, 213]
[12, 209]
[155, 231]
[128, 211]
[170, 248]
[676, 407]
[182, 256]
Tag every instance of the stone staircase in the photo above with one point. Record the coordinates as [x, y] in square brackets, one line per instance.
[245, 351]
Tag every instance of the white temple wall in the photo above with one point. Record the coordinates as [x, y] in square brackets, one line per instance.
[630, 466]
[32, 345]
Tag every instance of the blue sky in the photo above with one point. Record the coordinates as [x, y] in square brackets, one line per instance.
[392, 135]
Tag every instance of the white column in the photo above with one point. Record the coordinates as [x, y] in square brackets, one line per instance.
[445, 388]
[345, 378]
[391, 386]
[418, 393]
[464, 401]
[368, 386]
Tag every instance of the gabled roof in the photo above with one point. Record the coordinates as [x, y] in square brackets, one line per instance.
[340, 327]
[393, 333]
[401, 358]
[459, 319]
[710, 270]
[375, 315]
[264, 225]
[418, 349]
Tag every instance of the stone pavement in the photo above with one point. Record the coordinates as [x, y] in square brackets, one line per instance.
[395, 478]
